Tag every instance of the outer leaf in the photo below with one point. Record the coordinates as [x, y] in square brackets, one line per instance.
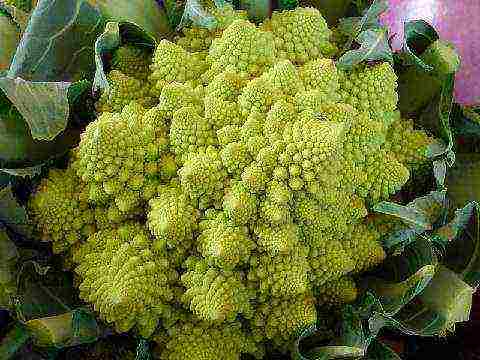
[55, 51]
[461, 237]
[68, 329]
[332, 10]
[463, 180]
[418, 35]
[369, 20]
[114, 35]
[12, 214]
[373, 47]
[10, 37]
[8, 262]
[146, 14]
[13, 341]
[380, 351]
[404, 277]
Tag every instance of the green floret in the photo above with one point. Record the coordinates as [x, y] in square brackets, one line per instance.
[221, 113]
[327, 257]
[409, 146]
[257, 95]
[175, 95]
[190, 133]
[313, 100]
[122, 90]
[282, 320]
[363, 246]
[300, 35]
[228, 134]
[372, 89]
[235, 157]
[243, 48]
[201, 340]
[381, 176]
[203, 178]
[273, 213]
[60, 210]
[320, 74]
[172, 63]
[240, 205]
[125, 281]
[116, 153]
[281, 275]
[284, 78]
[132, 61]
[172, 220]
[225, 245]
[216, 295]
[278, 116]
[226, 86]
[337, 293]
[254, 178]
[277, 240]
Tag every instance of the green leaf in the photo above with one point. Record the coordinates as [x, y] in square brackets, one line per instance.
[10, 36]
[418, 35]
[373, 47]
[16, 337]
[113, 36]
[331, 10]
[370, 20]
[12, 214]
[54, 53]
[380, 351]
[143, 350]
[69, 329]
[463, 178]
[44, 292]
[461, 237]
[410, 215]
[8, 263]
[146, 14]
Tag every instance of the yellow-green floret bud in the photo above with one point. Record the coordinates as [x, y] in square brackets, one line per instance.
[244, 48]
[257, 95]
[226, 86]
[337, 293]
[255, 178]
[195, 39]
[220, 112]
[383, 175]
[60, 210]
[121, 91]
[228, 134]
[172, 63]
[115, 156]
[284, 78]
[409, 146]
[320, 74]
[240, 205]
[132, 61]
[175, 96]
[364, 136]
[312, 101]
[225, 245]
[274, 213]
[216, 295]
[363, 245]
[372, 89]
[327, 257]
[124, 280]
[279, 193]
[172, 219]
[235, 157]
[280, 113]
[203, 178]
[204, 341]
[281, 275]
[190, 133]
[277, 240]
[282, 320]
[300, 35]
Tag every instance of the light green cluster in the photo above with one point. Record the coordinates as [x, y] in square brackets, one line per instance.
[59, 208]
[249, 180]
[124, 278]
[300, 35]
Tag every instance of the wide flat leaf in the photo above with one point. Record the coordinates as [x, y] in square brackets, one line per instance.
[12, 214]
[373, 47]
[418, 35]
[55, 52]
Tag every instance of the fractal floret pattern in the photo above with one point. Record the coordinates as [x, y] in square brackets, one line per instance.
[223, 216]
